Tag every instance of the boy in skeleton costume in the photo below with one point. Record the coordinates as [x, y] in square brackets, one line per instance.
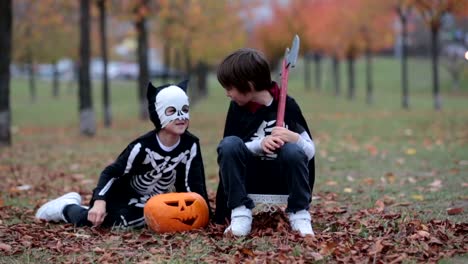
[166, 159]
[256, 156]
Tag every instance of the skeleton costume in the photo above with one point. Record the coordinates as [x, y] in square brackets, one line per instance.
[244, 168]
[147, 167]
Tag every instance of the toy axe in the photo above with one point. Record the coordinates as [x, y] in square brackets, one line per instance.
[289, 61]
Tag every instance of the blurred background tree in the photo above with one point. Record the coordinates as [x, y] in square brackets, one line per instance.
[163, 41]
[5, 58]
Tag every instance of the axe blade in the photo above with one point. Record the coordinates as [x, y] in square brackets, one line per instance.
[293, 53]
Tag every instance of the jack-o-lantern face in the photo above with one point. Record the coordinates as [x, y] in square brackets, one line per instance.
[174, 212]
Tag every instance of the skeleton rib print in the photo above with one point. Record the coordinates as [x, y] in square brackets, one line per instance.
[162, 177]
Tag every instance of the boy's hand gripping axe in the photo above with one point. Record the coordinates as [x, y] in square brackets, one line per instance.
[289, 61]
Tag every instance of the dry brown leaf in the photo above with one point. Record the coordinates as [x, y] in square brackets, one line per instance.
[410, 151]
[417, 197]
[436, 184]
[379, 206]
[390, 177]
[5, 247]
[454, 210]
[369, 181]
[331, 183]
[247, 251]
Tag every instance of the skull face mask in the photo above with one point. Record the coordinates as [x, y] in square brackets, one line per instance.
[167, 103]
[172, 104]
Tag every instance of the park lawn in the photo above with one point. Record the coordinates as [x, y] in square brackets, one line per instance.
[381, 173]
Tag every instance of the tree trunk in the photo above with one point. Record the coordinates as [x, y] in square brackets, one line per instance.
[202, 76]
[31, 76]
[404, 62]
[87, 118]
[369, 82]
[177, 60]
[336, 75]
[318, 71]
[106, 103]
[143, 76]
[351, 83]
[55, 81]
[187, 59]
[455, 80]
[166, 62]
[6, 21]
[435, 67]
[307, 80]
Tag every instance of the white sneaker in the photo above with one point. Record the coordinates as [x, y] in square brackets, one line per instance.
[241, 221]
[53, 210]
[300, 221]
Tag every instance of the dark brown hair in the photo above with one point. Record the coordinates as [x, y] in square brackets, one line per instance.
[242, 67]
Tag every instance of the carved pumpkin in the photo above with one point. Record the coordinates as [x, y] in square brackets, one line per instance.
[175, 212]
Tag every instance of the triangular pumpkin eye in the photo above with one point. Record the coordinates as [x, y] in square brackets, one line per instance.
[172, 203]
[189, 202]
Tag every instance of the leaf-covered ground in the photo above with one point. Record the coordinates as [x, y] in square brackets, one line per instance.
[46, 162]
[374, 235]
[391, 184]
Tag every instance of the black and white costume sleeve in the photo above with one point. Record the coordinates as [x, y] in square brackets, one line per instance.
[145, 169]
[253, 126]
[121, 166]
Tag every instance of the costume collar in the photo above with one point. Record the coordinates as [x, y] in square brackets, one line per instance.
[274, 90]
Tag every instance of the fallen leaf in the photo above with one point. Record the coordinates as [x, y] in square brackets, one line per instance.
[331, 183]
[410, 151]
[247, 251]
[402, 204]
[454, 210]
[336, 210]
[372, 150]
[327, 248]
[423, 234]
[436, 184]
[347, 190]
[400, 161]
[380, 206]
[315, 255]
[377, 248]
[369, 181]
[5, 247]
[388, 200]
[390, 177]
[412, 180]
[417, 197]
[408, 132]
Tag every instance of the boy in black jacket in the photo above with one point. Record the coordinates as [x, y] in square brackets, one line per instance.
[166, 159]
[256, 156]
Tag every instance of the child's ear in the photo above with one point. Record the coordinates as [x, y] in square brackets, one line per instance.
[183, 85]
[150, 92]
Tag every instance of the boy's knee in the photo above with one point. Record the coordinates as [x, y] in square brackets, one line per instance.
[229, 145]
[292, 153]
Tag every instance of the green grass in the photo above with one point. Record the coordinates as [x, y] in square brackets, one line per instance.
[415, 160]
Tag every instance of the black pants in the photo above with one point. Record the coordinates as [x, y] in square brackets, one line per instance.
[121, 212]
[244, 173]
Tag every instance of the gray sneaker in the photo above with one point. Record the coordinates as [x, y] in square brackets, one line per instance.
[53, 210]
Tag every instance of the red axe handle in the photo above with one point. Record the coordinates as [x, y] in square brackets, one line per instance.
[283, 93]
[289, 61]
